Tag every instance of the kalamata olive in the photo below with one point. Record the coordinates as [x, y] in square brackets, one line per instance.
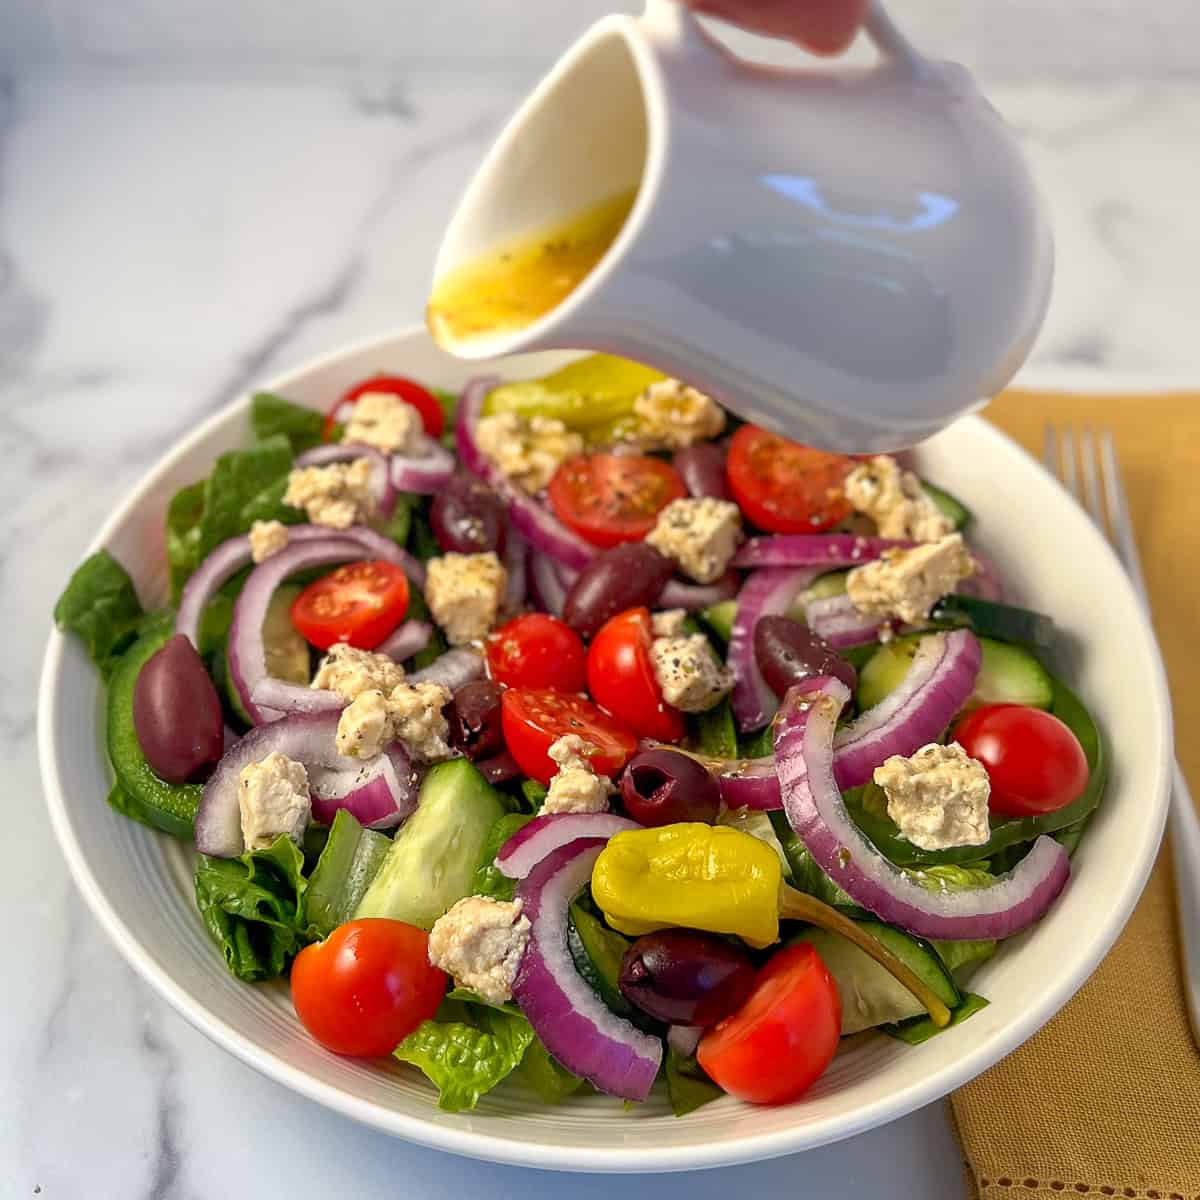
[467, 517]
[788, 652]
[686, 977]
[474, 717]
[661, 787]
[176, 712]
[631, 575]
[702, 469]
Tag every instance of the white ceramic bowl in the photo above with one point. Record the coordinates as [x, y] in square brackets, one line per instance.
[139, 883]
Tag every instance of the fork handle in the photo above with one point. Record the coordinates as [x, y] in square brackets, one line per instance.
[1185, 846]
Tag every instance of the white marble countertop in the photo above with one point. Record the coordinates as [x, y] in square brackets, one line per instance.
[165, 242]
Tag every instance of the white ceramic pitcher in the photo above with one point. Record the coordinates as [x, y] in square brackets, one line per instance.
[851, 256]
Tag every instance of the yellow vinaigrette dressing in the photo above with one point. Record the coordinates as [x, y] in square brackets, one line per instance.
[511, 286]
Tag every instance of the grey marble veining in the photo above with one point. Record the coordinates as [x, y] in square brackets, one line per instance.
[164, 244]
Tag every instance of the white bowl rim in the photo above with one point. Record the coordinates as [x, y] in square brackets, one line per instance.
[495, 1148]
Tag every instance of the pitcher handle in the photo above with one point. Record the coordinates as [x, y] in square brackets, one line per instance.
[674, 22]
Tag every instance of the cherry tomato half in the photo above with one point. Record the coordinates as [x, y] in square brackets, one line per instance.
[366, 987]
[537, 651]
[423, 400]
[781, 1040]
[611, 498]
[360, 603]
[620, 676]
[1034, 761]
[783, 486]
[533, 719]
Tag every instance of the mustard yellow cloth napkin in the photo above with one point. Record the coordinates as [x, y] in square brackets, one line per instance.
[1105, 1100]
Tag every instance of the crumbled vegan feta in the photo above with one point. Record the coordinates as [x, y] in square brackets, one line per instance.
[895, 500]
[699, 534]
[267, 538]
[350, 672]
[464, 593]
[410, 713]
[575, 787]
[938, 797]
[688, 672]
[338, 495]
[672, 415]
[907, 583]
[527, 450]
[668, 623]
[384, 421]
[274, 799]
[479, 941]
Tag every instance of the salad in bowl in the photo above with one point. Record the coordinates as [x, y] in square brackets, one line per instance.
[566, 729]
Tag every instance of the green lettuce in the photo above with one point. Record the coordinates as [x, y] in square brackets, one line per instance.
[715, 733]
[534, 794]
[806, 875]
[100, 607]
[468, 1056]
[962, 958]
[545, 1076]
[183, 535]
[239, 490]
[253, 908]
[688, 1087]
[921, 1029]
[272, 415]
[489, 879]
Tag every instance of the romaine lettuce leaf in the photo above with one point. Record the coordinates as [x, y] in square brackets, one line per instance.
[99, 605]
[962, 958]
[271, 415]
[467, 1059]
[715, 733]
[253, 908]
[534, 794]
[921, 1029]
[489, 879]
[236, 487]
[688, 1087]
[183, 535]
[543, 1074]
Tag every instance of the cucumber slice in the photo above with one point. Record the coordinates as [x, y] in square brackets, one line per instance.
[431, 863]
[719, 618]
[597, 952]
[286, 651]
[350, 860]
[870, 995]
[952, 509]
[1007, 675]
[1005, 622]
[170, 807]
[823, 587]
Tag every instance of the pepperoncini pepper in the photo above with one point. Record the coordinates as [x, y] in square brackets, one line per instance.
[700, 876]
[721, 880]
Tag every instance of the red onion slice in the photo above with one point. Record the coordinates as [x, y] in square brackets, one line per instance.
[826, 550]
[308, 738]
[812, 800]
[425, 474]
[749, 783]
[261, 695]
[768, 592]
[545, 533]
[532, 842]
[547, 588]
[452, 669]
[516, 573]
[382, 487]
[409, 637]
[573, 1022]
[231, 556]
[938, 683]
[692, 596]
[836, 620]
[378, 794]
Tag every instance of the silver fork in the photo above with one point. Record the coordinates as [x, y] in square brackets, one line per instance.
[1103, 495]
